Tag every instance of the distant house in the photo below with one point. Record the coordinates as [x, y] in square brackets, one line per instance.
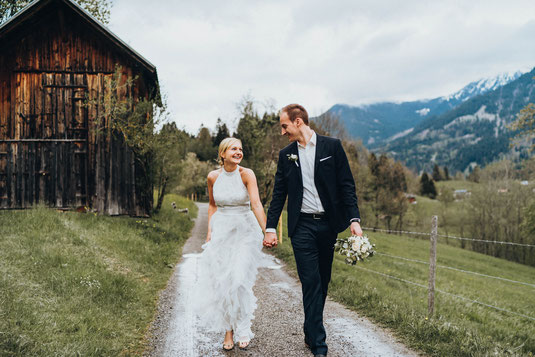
[54, 55]
[461, 194]
[411, 198]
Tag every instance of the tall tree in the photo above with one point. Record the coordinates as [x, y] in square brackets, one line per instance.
[329, 124]
[169, 153]
[99, 9]
[502, 216]
[446, 174]
[193, 176]
[427, 186]
[221, 132]
[525, 124]
[261, 140]
[203, 146]
[437, 175]
[399, 182]
[389, 185]
[475, 175]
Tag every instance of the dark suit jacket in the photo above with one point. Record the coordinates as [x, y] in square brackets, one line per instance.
[333, 179]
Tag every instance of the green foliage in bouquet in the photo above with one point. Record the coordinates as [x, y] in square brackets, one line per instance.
[355, 248]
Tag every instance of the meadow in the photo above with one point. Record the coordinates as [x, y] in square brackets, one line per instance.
[82, 284]
[459, 327]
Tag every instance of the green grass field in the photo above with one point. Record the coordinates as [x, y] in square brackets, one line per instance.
[459, 327]
[79, 284]
[452, 218]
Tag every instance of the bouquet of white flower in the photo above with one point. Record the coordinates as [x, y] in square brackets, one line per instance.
[355, 248]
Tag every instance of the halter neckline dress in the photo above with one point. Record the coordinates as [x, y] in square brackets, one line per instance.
[228, 265]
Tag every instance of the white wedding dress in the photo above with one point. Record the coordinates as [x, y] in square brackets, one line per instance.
[228, 266]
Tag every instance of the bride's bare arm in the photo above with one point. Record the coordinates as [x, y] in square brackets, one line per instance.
[249, 179]
[212, 208]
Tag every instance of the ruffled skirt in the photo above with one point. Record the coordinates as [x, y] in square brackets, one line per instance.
[227, 270]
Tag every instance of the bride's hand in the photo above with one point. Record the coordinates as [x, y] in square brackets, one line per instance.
[270, 240]
[208, 237]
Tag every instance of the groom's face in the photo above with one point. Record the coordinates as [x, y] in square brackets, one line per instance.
[289, 129]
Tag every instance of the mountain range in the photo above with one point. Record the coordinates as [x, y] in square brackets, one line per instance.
[459, 131]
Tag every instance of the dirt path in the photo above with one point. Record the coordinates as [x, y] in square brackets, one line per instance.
[278, 322]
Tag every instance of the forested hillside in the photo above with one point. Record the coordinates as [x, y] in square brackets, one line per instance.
[474, 133]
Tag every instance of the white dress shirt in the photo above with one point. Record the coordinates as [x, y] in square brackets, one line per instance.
[307, 157]
[311, 199]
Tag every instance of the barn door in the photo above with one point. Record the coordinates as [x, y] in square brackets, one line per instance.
[46, 154]
[66, 120]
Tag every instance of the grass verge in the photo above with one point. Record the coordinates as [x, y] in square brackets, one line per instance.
[75, 284]
[459, 327]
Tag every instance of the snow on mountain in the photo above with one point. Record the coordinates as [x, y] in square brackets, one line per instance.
[380, 123]
[400, 135]
[473, 131]
[423, 112]
[482, 86]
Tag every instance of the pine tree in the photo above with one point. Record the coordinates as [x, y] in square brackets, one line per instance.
[203, 145]
[437, 175]
[424, 183]
[432, 190]
[475, 175]
[222, 132]
[427, 186]
[446, 174]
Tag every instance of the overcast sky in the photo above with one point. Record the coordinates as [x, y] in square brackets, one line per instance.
[210, 54]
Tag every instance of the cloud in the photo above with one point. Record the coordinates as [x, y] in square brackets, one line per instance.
[209, 54]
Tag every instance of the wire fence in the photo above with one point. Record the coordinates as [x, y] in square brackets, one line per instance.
[448, 236]
[459, 270]
[433, 235]
[448, 293]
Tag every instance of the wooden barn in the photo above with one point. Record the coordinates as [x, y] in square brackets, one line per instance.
[54, 59]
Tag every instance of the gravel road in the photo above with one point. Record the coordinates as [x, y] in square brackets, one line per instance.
[278, 322]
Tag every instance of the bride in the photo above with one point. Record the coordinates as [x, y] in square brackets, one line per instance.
[232, 253]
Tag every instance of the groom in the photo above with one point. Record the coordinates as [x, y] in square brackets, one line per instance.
[314, 173]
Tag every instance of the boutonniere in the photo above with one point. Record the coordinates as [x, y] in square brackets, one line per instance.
[294, 158]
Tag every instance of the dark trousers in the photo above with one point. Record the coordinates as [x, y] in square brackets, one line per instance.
[313, 246]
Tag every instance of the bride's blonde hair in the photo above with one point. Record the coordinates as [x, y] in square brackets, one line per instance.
[224, 145]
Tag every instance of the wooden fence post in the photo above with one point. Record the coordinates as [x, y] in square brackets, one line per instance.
[432, 267]
[280, 229]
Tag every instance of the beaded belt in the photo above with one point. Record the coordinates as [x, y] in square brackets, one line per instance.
[233, 209]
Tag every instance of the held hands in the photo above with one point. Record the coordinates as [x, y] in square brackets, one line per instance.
[355, 229]
[270, 240]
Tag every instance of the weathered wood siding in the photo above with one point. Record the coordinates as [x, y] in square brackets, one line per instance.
[51, 150]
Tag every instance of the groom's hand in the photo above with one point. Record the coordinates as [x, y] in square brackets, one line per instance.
[270, 240]
[355, 229]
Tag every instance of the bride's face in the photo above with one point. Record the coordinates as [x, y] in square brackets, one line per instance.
[233, 154]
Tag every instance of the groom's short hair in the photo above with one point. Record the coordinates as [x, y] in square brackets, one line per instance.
[295, 111]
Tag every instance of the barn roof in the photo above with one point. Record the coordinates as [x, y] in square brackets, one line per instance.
[35, 6]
